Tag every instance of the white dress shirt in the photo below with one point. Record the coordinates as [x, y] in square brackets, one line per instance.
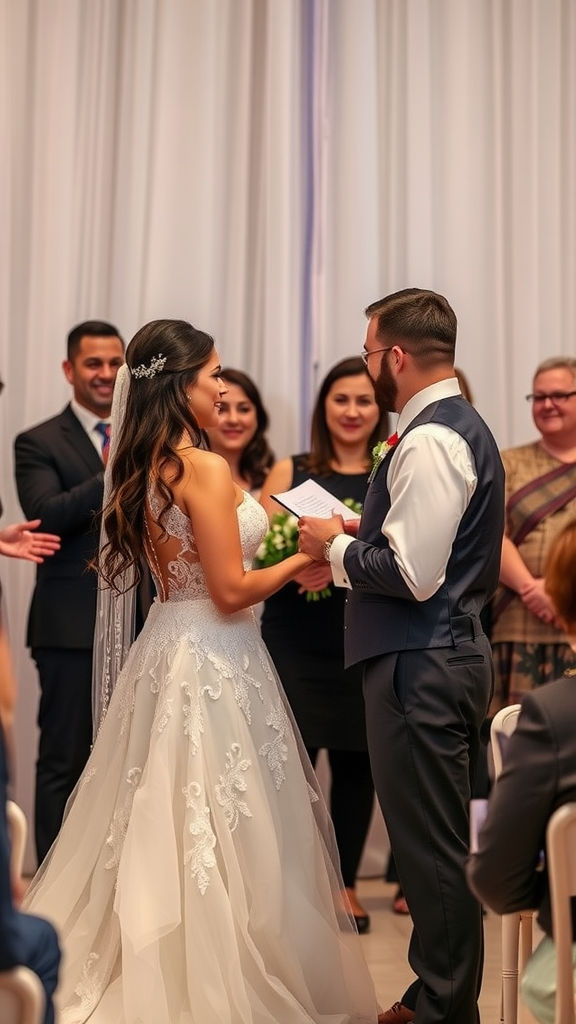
[89, 421]
[431, 479]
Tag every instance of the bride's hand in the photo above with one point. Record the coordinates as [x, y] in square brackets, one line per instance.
[317, 576]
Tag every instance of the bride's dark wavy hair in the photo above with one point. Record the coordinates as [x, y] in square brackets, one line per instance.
[157, 415]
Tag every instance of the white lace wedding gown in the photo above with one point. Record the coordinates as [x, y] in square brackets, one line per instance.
[192, 882]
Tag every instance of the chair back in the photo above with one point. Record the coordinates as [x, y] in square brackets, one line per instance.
[22, 998]
[561, 862]
[517, 932]
[18, 829]
[503, 725]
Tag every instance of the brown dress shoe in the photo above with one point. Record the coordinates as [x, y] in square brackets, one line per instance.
[397, 1014]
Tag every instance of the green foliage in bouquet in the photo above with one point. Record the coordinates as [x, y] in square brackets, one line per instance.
[281, 541]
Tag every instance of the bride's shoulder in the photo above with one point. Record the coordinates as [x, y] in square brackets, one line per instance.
[201, 461]
[206, 468]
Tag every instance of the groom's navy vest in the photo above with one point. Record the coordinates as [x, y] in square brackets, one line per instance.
[384, 616]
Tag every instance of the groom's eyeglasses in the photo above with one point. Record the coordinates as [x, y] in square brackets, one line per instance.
[366, 355]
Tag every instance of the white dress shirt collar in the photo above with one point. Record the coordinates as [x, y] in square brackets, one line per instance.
[89, 420]
[447, 388]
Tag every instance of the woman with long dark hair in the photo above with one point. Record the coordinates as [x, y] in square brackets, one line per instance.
[191, 881]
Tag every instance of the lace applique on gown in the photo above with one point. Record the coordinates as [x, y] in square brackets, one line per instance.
[191, 881]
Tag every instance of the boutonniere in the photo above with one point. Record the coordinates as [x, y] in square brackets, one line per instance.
[379, 453]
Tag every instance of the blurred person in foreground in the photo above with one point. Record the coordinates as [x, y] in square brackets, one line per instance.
[25, 940]
[538, 776]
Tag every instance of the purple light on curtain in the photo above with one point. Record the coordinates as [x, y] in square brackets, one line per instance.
[309, 30]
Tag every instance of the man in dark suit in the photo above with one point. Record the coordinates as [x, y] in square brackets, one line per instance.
[425, 560]
[60, 479]
[25, 940]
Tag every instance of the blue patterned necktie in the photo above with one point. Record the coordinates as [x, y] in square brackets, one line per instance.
[104, 430]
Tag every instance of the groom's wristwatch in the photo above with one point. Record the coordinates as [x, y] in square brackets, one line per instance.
[328, 544]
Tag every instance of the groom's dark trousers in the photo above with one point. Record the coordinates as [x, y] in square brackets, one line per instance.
[427, 684]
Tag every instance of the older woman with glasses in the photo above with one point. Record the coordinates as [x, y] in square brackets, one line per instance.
[529, 646]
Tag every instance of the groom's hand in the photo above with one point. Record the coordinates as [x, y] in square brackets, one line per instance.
[313, 534]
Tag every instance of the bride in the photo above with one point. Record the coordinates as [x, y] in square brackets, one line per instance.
[193, 880]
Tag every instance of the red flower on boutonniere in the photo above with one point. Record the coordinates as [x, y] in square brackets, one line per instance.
[379, 453]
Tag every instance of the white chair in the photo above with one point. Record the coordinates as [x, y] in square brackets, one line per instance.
[503, 725]
[517, 933]
[22, 998]
[561, 863]
[18, 829]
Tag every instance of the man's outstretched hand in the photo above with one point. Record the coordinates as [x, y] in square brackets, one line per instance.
[18, 541]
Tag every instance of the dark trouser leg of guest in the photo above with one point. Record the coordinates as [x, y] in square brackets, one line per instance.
[391, 870]
[351, 806]
[424, 710]
[399, 904]
[65, 723]
[40, 952]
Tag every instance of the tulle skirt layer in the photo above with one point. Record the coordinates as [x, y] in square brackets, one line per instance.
[194, 880]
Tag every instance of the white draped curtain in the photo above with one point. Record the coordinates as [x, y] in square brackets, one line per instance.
[266, 168]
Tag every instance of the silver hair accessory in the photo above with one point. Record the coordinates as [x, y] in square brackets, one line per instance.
[156, 366]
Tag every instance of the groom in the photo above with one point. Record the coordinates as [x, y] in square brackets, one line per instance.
[425, 561]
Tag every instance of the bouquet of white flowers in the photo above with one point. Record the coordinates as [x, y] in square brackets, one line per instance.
[282, 541]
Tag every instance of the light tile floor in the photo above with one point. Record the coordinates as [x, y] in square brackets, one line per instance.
[387, 943]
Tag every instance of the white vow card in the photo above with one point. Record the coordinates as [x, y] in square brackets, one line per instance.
[310, 499]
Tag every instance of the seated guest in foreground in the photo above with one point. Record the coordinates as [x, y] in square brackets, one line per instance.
[539, 776]
[25, 940]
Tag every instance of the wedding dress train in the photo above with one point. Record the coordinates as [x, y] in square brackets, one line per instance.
[192, 881]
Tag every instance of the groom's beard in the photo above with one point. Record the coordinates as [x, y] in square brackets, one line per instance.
[385, 387]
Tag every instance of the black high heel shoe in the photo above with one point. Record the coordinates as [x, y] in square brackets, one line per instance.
[362, 923]
[362, 920]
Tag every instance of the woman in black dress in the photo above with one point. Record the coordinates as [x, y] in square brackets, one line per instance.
[306, 637]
